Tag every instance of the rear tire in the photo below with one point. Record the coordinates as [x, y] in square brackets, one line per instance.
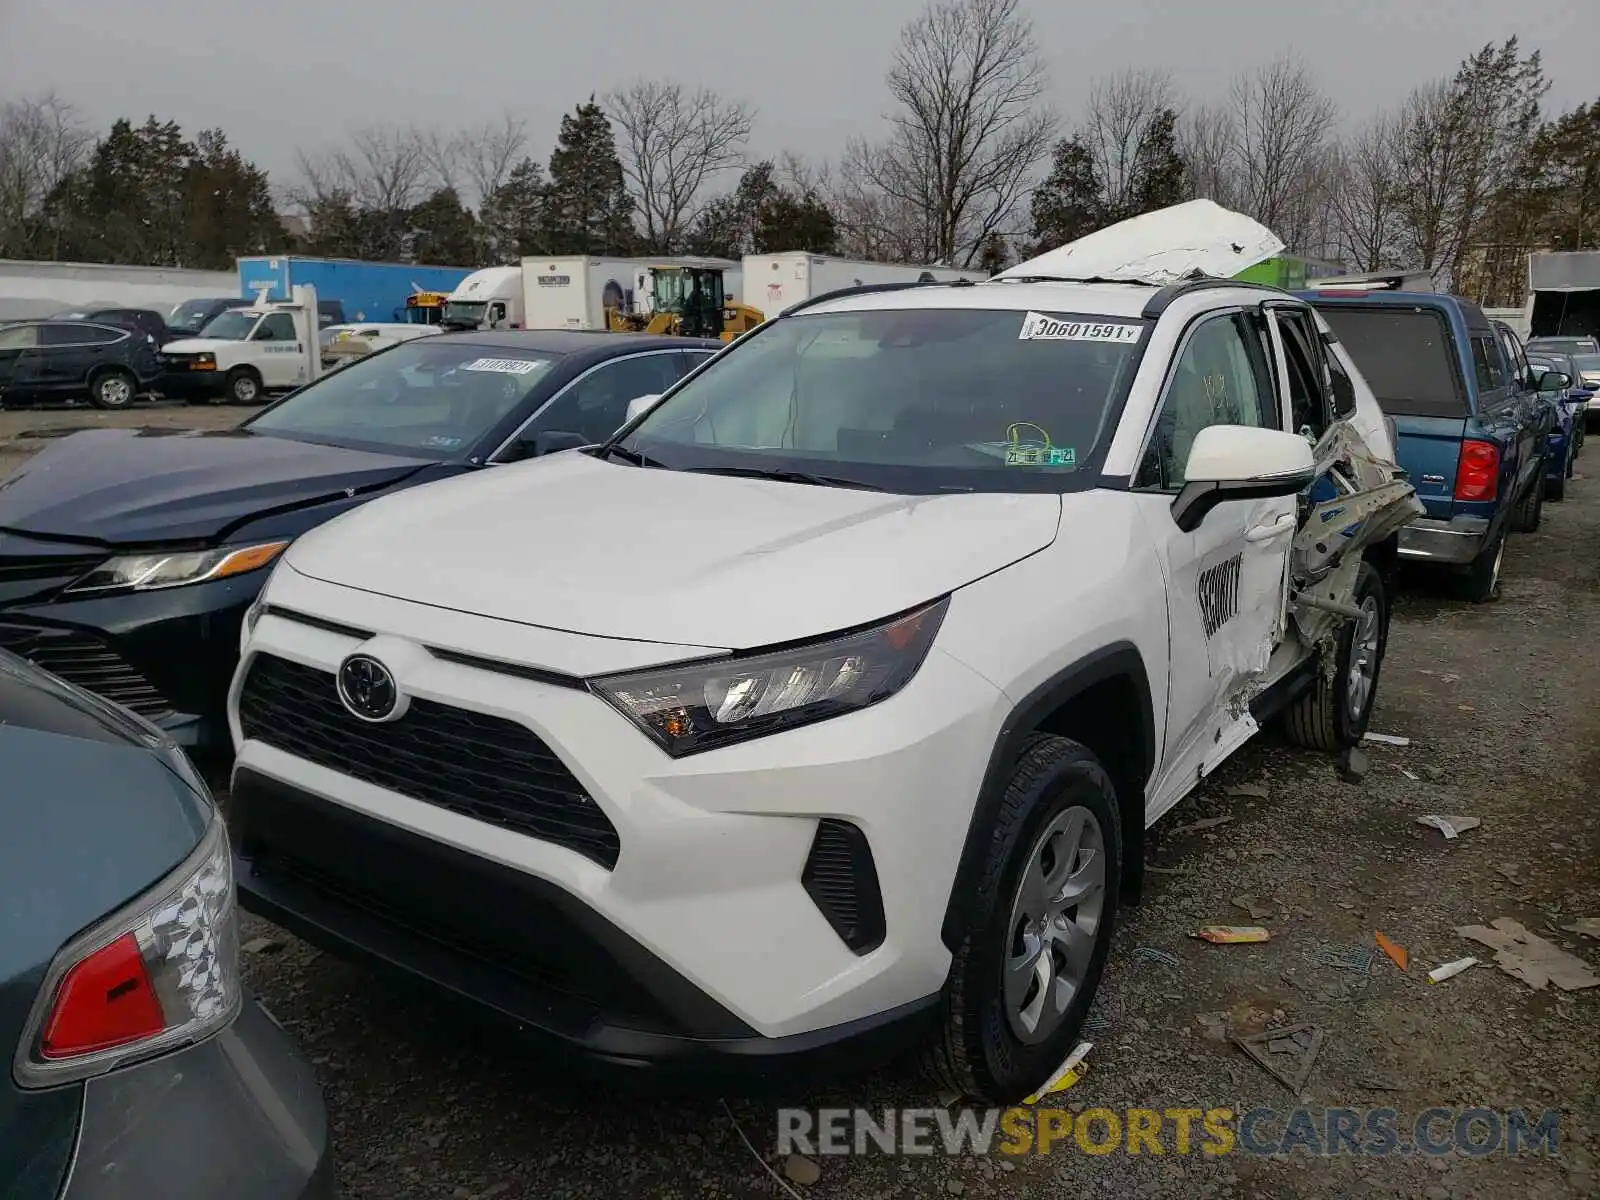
[1482, 581]
[243, 386]
[1530, 509]
[1555, 490]
[1335, 712]
[1057, 833]
[113, 389]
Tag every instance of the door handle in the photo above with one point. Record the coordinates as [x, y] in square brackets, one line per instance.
[1265, 533]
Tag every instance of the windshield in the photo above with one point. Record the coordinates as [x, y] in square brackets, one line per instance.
[912, 401]
[465, 312]
[190, 315]
[233, 326]
[427, 398]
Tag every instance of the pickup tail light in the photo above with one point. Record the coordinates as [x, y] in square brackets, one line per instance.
[159, 974]
[1478, 471]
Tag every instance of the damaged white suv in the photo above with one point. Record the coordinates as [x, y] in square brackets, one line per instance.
[828, 703]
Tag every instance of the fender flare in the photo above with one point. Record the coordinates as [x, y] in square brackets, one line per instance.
[1118, 660]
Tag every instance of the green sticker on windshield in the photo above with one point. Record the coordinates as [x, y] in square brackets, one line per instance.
[1036, 451]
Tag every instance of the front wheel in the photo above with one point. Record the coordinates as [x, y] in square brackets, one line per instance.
[1023, 977]
[1335, 712]
[243, 386]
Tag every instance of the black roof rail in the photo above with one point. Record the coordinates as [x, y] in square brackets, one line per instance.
[1162, 300]
[866, 289]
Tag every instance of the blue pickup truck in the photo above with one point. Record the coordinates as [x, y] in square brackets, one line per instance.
[1471, 429]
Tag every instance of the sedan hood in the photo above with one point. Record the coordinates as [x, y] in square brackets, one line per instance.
[134, 486]
[574, 543]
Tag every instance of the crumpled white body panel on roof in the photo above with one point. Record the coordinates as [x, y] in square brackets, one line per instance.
[1185, 241]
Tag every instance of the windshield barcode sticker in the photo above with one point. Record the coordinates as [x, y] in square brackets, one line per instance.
[502, 366]
[1041, 328]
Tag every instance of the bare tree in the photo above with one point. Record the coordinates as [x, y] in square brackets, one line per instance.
[1435, 155]
[42, 141]
[1365, 194]
[971, 125]
[382, 170]
[441, 157]
[1120, 111]
[672, 142]
[487, 153]
[1206, 137]
[1282, 123]
[873, 223]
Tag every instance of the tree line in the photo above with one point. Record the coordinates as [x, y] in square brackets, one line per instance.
[970, 167]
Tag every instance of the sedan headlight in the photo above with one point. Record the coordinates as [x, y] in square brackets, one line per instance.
[690, 707]
[148, 572]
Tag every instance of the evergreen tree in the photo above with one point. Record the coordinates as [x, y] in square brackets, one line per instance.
[587, 206]
[1068, 203]
[1160, 174]
[441, 231]
[761, 216]
[512, 216]
[230, 210]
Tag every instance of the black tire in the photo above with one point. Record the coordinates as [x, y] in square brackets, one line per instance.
[977, 1051]
[113, 389]
[1481, 583]
[243, 386]
[1555, 490]
[1530, 509]
[1333, 715]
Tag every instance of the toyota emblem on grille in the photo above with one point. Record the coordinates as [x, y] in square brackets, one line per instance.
[368, 689]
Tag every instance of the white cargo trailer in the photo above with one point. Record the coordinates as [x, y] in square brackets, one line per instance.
[38, 289]
[774, 282]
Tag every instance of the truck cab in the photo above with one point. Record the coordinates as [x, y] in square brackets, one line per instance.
[244, 354]
[486, 299]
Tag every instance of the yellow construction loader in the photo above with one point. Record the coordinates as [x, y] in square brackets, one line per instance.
[685, 301]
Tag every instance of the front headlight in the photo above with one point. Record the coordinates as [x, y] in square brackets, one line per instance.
[689, 707]
[147, 572]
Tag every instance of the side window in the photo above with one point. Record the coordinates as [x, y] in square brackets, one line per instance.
[1344, 388]
[597, 404]
[63, 335]
[1302, 348]
[1215, 382]
[1515, 362]
[688, 361]
[23, 337]
[1486, 364]
[275, 327]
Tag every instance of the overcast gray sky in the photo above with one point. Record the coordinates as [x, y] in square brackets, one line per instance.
[289, 73]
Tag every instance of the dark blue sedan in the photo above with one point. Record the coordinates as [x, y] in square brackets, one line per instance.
[128, 557]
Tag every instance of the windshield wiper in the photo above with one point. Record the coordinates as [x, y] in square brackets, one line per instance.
[627, 455]
[784, 476]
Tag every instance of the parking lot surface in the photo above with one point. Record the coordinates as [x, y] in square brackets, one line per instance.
[1502, 712]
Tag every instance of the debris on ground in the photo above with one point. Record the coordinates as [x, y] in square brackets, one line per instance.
[1359, 959]
[801, 1170]
[1286, 1054]
[1386, 739]
[1409, 774]
[1232, 935]
[1213, 1026]
[1202, 823]
[1530, 958]
[1353, 765]
[1151, 954]
[262, 945]
[1258, 912]
[1448, 825]
[1248, 791]
[1074, 1069]
[1450, 970]
[1397, 954]
[1588, 926]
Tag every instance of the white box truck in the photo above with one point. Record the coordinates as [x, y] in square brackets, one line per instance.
[774, 282]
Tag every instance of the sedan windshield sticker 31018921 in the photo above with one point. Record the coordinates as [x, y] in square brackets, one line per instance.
[1041, 327]
[502, 366]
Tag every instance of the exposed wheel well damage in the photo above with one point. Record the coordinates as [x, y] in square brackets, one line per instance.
[1102, 702]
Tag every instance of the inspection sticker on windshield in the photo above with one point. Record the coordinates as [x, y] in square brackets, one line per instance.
[502, 366]
[1037, 327]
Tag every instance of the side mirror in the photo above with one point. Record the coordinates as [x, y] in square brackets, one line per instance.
[551, 441]
[1554, 381]
[640, 405]
[1241, 462]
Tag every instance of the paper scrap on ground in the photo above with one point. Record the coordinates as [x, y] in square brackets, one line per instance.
[1230, 935]
[1386, 739]
[1450, 970]
[1397, 953]
[1588, 926]
[1449, 826]
[1530, 958]
[1258, 912]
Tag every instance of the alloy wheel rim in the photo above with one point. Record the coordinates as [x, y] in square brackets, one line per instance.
[115, 391]
[1363, 658]
[1055, 921]
[245, 388]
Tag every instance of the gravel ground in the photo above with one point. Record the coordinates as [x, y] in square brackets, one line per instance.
[1500, 704]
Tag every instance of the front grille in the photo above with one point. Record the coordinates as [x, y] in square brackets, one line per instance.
[487, 768]
[83, 659]
[23, 577]
[842, 881]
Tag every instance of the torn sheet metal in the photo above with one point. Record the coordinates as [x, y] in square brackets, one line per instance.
[1195, 240]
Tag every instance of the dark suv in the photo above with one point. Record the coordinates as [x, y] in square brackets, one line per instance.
[67, 360]
[140, 320]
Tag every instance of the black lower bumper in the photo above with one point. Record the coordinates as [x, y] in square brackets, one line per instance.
[192, 385]
[239, 1115]
[517, 946]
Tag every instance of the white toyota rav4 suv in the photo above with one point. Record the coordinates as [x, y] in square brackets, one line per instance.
[828, 703]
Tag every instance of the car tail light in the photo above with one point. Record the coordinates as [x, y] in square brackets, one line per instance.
[161, 973]
[1478, 471]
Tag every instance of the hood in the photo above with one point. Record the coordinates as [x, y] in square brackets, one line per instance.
[1186, 241]
[573, 543]
[198, 345]
[134, 486]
